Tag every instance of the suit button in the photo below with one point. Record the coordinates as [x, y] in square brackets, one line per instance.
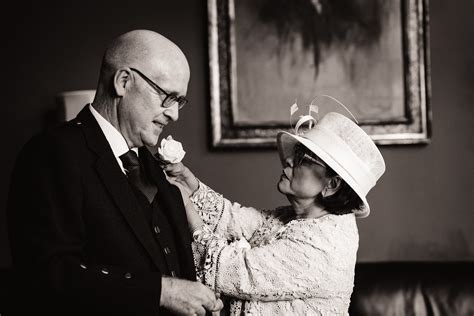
[83, 266]
[156, 229]
[78, 123]
[104, 271]
[167, 250]
[128, 275]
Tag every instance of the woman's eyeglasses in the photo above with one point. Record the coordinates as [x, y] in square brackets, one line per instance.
[169, 99]
[302, 157]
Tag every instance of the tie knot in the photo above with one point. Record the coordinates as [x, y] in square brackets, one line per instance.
[130, 160]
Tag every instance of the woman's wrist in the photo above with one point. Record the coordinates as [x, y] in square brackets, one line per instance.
[191, 181]
[194, 220]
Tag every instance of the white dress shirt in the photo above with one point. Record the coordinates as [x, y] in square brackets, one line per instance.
[114, 138]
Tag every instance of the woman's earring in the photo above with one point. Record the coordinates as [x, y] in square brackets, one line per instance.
[324, 192]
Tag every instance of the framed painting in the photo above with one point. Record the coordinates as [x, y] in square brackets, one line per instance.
[370, 55]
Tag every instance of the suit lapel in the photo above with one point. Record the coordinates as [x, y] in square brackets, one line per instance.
[117, 185]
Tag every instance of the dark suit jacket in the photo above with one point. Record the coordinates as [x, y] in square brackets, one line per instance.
[80, 244]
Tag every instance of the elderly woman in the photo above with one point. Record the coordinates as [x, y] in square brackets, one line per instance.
[297, 259]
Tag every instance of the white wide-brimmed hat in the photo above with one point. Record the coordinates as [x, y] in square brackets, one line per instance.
[344, 147]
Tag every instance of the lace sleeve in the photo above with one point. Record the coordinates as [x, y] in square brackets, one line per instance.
[227, 219]
[304, 260]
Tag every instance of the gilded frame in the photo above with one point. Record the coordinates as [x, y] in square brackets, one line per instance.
[414, 128]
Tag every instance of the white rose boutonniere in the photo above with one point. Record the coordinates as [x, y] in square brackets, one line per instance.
[170, 150]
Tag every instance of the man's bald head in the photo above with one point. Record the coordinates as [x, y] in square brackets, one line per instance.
[148, 51]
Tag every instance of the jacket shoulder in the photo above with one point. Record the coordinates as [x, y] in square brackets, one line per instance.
[64, 136]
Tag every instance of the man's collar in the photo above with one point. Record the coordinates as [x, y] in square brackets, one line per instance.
[114, 137]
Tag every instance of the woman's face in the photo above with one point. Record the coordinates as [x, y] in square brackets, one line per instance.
[304, 175]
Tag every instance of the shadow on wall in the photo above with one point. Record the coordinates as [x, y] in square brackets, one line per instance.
[455, 246]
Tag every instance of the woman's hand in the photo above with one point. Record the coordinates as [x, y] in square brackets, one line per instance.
[179, 175]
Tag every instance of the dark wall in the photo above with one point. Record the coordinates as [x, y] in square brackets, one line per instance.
[421, 209]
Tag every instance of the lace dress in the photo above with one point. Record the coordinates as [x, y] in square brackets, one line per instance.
[272, 265]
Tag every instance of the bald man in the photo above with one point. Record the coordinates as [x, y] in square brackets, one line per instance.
[86, 237]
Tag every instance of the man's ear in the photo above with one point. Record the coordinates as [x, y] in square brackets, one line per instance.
[332, 186]
[122, 78]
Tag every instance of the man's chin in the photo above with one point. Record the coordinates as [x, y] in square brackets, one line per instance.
[151, 143]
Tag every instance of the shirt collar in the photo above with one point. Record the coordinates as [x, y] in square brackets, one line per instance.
[114, 138]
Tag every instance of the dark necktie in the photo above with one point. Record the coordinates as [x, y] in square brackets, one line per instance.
[133, 170]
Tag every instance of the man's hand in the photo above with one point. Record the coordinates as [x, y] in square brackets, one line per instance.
[188, 297]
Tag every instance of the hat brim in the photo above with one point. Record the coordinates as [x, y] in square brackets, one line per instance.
[286, 143]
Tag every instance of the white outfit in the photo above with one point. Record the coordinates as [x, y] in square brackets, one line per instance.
[272, 265]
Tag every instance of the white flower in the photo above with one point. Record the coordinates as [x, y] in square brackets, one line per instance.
[171, 150]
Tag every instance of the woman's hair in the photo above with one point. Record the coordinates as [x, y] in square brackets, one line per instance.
[344, 201]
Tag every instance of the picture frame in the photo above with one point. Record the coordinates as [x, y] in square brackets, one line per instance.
[263, 58]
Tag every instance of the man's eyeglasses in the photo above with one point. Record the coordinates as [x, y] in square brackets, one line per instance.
[169, 99]
[301, 156]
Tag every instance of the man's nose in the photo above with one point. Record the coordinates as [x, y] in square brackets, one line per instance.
[172, 112]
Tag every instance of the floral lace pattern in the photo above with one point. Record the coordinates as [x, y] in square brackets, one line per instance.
[271, 265]
[210, 201]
